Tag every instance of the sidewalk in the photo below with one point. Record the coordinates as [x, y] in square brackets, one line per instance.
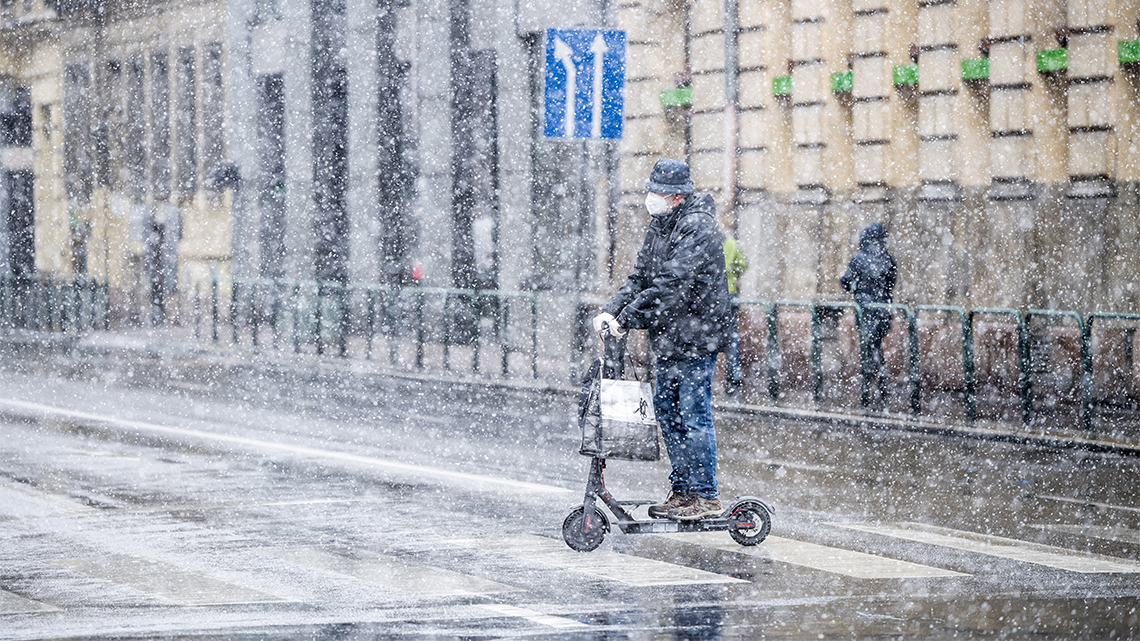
[179, 344]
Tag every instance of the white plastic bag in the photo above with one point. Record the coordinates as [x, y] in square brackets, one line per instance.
[618, 421]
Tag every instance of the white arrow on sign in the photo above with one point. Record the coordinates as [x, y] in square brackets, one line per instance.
[563, 54]
[599, 49]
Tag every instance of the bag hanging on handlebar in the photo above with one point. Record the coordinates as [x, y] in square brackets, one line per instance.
[617, 419]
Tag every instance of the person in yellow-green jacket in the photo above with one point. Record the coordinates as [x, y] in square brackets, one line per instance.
[735, 265]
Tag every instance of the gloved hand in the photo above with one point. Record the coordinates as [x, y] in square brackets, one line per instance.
[603, 321]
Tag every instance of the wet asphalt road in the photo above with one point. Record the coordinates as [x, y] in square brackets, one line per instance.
[198, 498]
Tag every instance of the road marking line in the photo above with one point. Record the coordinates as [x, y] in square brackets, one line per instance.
[16, 604]
[818, 557]
[1083, 502]
[777, 463]
[533, 616]
[1109, 533]
[421, 471]
[632, 570]
[171, 582]
[996, 546]
[390, 572]
[22, 501]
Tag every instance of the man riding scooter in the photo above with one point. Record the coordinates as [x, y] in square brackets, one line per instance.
[678, 293]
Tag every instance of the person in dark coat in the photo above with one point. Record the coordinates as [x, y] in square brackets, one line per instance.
[678, 293]
[871, 277]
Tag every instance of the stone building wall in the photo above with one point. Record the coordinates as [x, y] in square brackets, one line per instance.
[1016, 190]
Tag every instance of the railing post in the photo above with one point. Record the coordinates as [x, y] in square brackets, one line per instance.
[773, 353]
[343, 300]
[371, 321]
[534, 336]
[276, 313]
[864, 357]
[447, 321]
[969, 381]
[419, 330]
[234, 308]
[1023, 383]
[504, 338]
[816, 358]
[254, 308]
[296, 300]
[477, 314]
[390, 323]
[915, 372]
[1086, 411]
[319, 317]
[214, 306]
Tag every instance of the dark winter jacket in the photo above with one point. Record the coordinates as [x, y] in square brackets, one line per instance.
[872, 271]
[678, 290]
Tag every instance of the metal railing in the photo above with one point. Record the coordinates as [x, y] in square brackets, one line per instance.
[54, 303]
[498, 329]
[967, 321]
[326, 314]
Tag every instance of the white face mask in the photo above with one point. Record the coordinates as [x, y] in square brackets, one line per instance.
[656, 204]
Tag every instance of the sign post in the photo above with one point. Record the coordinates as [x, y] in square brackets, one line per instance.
[584, 83]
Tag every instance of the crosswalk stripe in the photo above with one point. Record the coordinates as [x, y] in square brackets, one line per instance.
[22, 501]
[1114, 533]
[1083, 502]
[533, 616]
[818, 557]
[632, 570]
[390, 572]
[996, 546]
[171, 582]
[465, 479]
[16, 604]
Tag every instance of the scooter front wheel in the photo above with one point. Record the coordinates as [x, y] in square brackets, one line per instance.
[749, 523]
[584, 534]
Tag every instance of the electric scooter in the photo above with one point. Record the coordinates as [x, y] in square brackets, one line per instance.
[747, 519]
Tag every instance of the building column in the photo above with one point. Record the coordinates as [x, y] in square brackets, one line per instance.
[432, 208]
[240, 86]
[810, 90]
[300, 222]
[938, 93]
[871, 102]
[516, 146]
[363, 200]
[1092, 136]
[1011, 65]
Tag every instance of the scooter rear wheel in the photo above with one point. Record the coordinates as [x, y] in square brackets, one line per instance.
[749, 523]
[582, 534]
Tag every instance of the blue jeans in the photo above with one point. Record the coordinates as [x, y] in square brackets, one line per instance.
[683, 403]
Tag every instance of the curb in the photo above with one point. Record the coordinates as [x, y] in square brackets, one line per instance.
[180, 350]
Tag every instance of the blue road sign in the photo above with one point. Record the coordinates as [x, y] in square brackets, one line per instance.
[585, 83]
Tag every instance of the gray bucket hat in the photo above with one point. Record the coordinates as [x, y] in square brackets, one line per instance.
[670, 177]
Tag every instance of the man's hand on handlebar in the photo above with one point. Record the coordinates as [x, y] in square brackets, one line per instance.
[604, 321]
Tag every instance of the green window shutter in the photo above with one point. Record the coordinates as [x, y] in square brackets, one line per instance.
[782, 86]
[977, 69]
[1052, 60]
[842, 82]
[1128, 52]
[904, 75]
[679, 97]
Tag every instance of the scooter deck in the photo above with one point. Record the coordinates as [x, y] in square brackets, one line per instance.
[668, 526]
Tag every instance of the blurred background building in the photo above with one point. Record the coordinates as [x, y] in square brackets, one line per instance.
[156, 143]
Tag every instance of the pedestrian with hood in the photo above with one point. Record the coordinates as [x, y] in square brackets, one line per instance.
[678, 293]
[871, 277]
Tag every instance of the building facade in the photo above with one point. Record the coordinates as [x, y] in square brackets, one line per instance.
[156, 143]
[996, 139]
